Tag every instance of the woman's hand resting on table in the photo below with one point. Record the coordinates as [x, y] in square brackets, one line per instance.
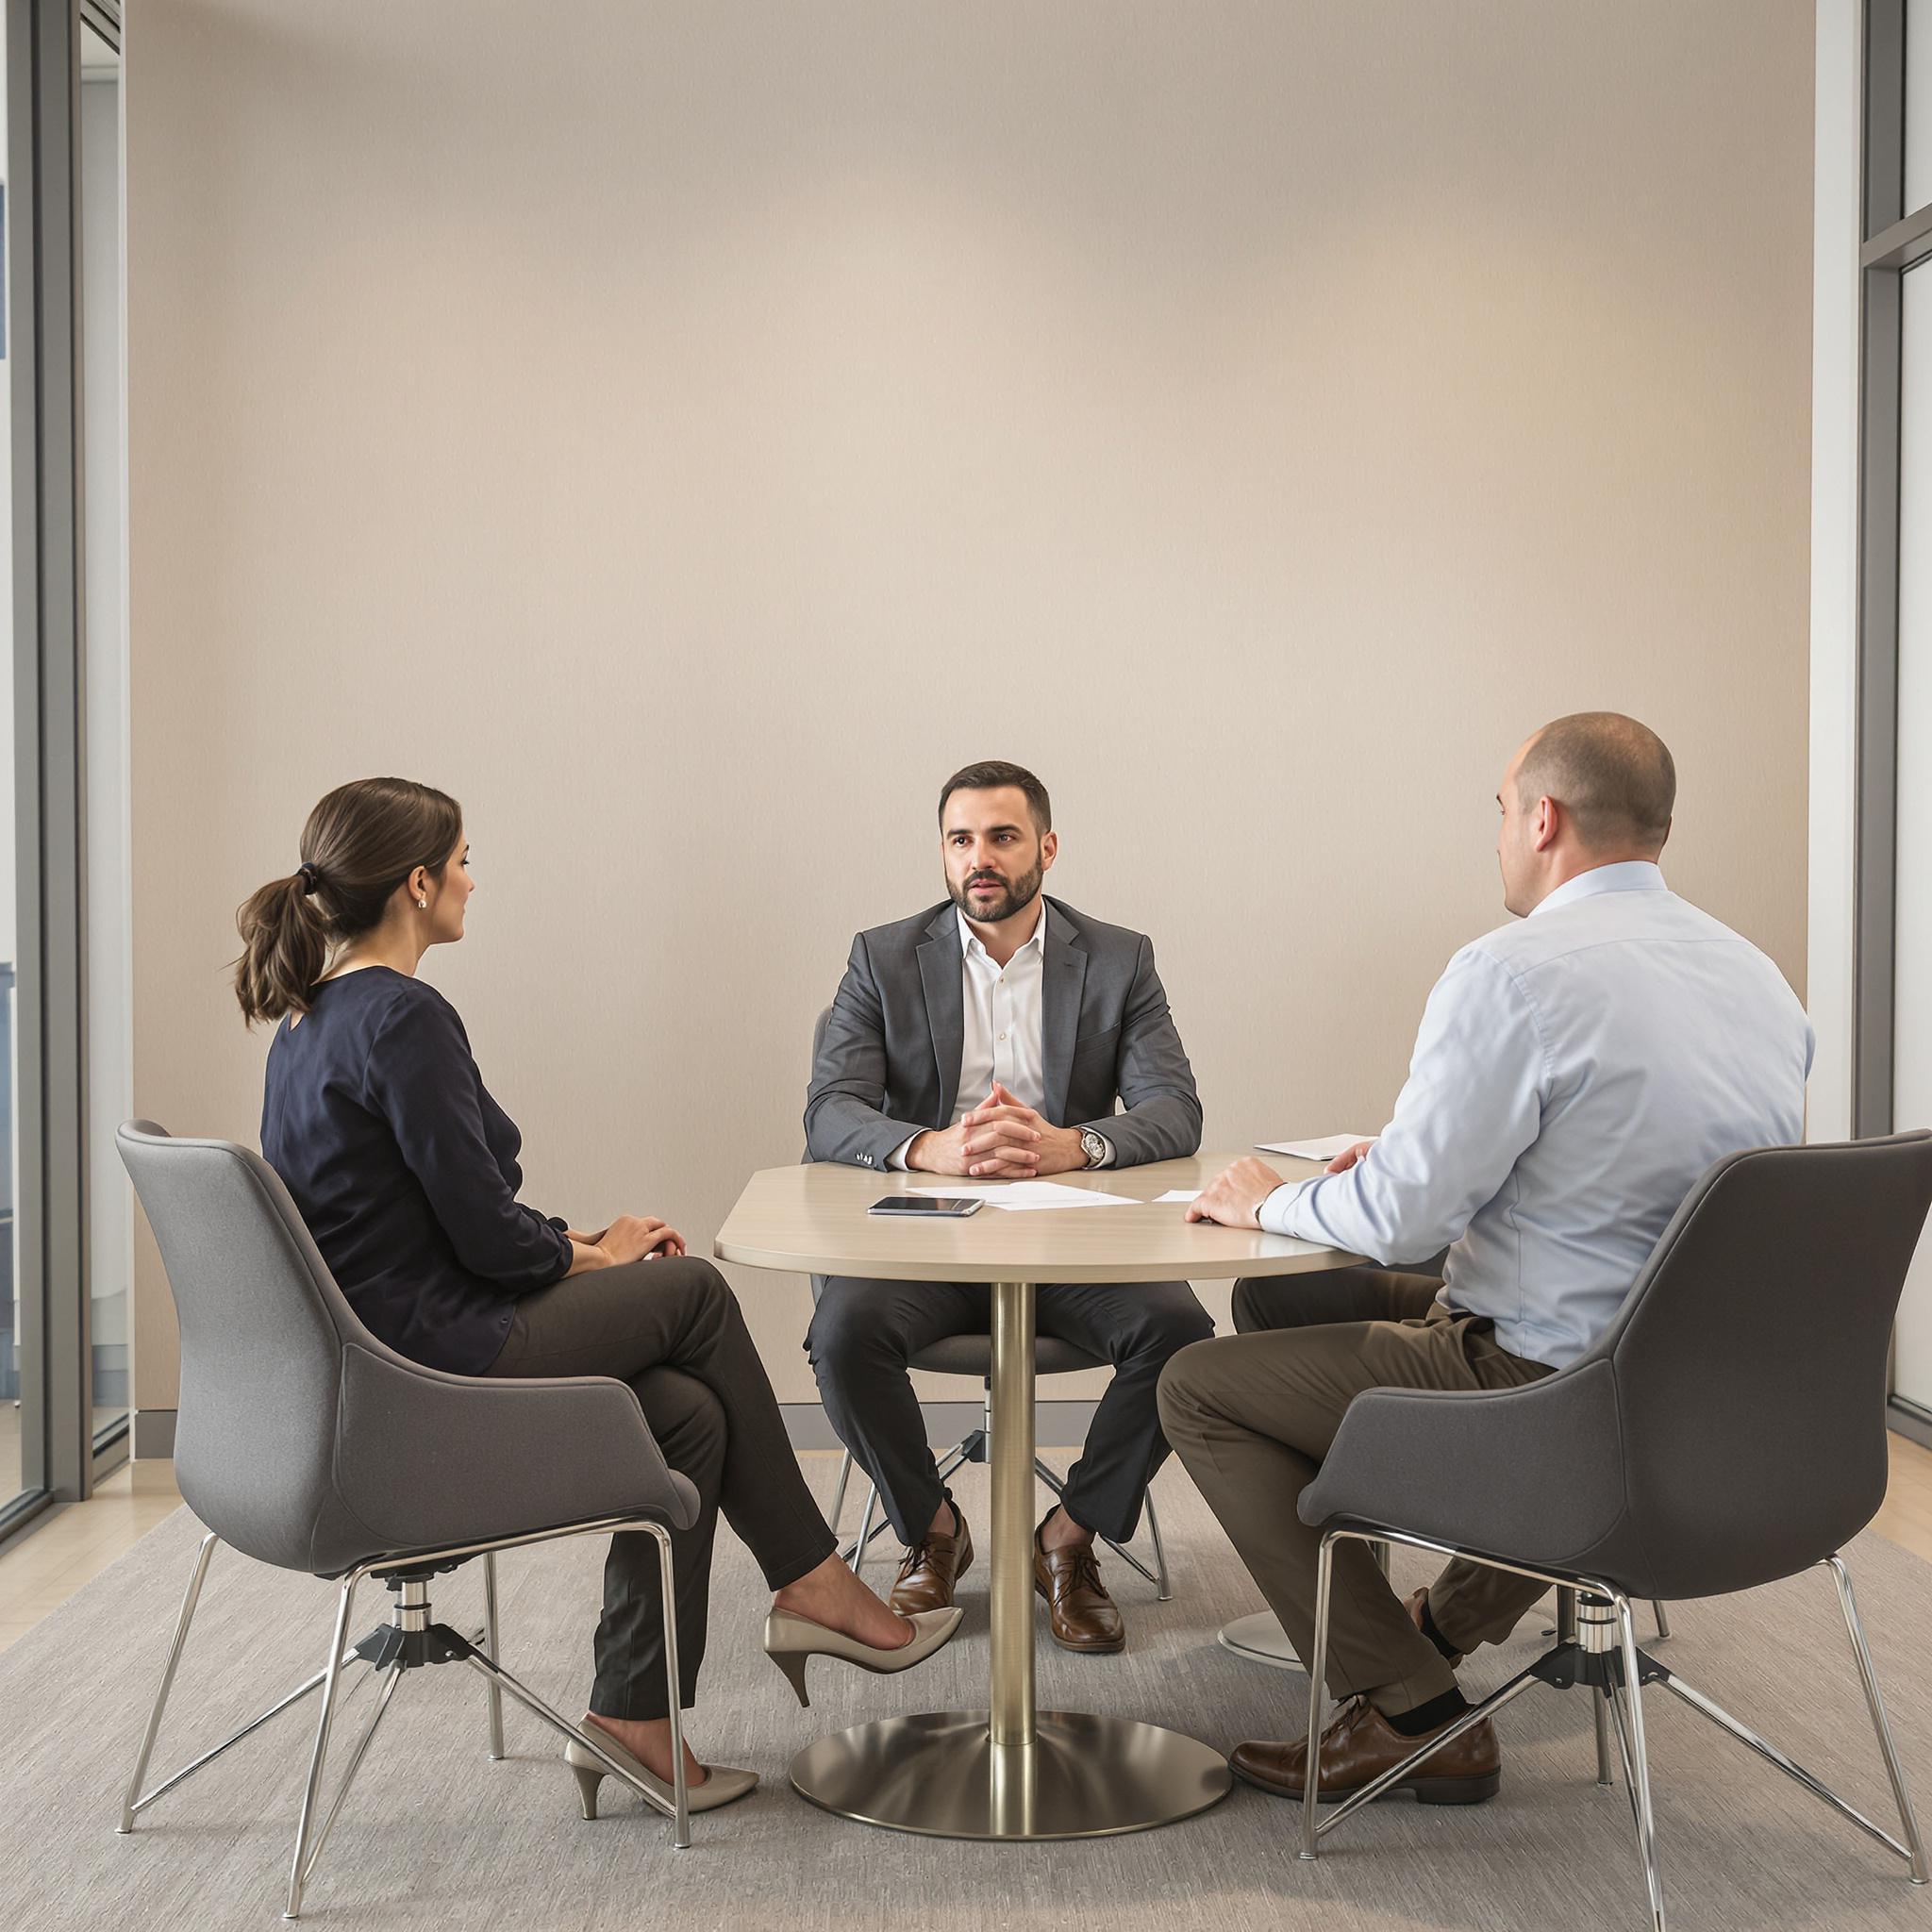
[629, 1238]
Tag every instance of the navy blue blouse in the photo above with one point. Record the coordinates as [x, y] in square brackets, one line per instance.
[405, 1169]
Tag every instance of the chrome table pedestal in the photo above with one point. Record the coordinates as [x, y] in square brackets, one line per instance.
[1012, 1773]
[1262, 1639]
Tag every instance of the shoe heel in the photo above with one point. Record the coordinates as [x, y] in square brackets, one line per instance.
[587, 1782]
[1458, 1791]
[793, 1663]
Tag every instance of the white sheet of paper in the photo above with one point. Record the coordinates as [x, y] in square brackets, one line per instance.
[1184, 1195]
[1026, 1196]
[1314, 1150]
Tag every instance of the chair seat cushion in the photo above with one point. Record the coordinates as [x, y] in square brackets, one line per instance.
[971, 1354]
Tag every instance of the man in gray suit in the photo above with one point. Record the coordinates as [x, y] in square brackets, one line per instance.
[993, 1036]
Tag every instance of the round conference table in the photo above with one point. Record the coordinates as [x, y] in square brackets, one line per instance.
[1009, 1771]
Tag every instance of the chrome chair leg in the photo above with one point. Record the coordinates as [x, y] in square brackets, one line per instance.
[1640, 1775]
[1318, 1675]
[298, 1870]
[589, 1737]
[856, 1556]
[1157, 1577]
[1163, 1588]
[1599, 1703]
[254, 1725]
[1912, 1850]
[489, 1644]
[838, 1508]
[1057, 1485]
[1772, 1754]
[680, 1834]
[1902, 1796]
[1663, 1622]
[1317, 1664]
[196, 1576]
[392, 1679]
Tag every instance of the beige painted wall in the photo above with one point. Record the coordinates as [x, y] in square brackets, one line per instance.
[686, 433]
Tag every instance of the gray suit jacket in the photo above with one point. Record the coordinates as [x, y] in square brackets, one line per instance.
[889, 1061]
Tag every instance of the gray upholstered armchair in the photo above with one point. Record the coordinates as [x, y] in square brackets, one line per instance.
[303, 1442]
[1728, 1430]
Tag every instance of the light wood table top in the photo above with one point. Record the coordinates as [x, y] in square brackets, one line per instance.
[812, 1218]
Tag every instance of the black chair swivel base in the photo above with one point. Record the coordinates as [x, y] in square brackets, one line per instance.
[1596, 1649]
[410, 1640]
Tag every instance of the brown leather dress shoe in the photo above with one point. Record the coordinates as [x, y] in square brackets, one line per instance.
[1359, 1746]
[1413, 1603]
[931, 1567]
[1079, 1611]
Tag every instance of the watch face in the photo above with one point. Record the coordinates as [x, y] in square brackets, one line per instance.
[1094, 1146]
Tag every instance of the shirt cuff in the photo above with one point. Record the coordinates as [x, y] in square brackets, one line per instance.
[1276, 1213]
[896, 1158]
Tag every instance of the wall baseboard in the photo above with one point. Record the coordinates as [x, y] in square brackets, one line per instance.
[1907, 1420]
[154, 1434]
[1056, 1426]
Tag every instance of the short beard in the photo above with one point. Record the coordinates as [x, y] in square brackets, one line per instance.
[1018, 896]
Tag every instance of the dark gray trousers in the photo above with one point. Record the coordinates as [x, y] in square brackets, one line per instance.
[863, 1333]
[671, 1328]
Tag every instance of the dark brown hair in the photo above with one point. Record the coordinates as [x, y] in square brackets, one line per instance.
[1614, 776]
[991, 773]
[359, 844]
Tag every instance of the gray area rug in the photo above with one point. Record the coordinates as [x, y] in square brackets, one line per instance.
[436, 1835]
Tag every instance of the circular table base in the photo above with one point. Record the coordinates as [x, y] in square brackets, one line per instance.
[942, 1776]
[1262, 1639]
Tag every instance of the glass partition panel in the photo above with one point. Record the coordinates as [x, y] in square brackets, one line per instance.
[1913, 1015]
[110, 1079]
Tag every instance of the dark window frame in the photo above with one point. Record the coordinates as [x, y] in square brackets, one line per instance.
[44, 368]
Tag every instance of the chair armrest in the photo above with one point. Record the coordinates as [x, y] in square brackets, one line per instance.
[429, 1459]
[1534, 1473]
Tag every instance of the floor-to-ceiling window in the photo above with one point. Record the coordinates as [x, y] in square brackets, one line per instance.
[63, 1328]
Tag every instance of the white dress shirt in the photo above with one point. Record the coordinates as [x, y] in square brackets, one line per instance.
[1001, 1007]
[1574, 1073]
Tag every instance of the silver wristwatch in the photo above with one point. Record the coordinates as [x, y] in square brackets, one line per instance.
[1093, 1146]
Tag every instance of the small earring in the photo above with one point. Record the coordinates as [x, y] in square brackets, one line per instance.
[424, 903]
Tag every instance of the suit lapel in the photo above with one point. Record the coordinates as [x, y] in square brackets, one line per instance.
[1063, 974]
[945, 1011]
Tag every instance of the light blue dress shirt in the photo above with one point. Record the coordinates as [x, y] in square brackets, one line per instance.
[1574, 1073]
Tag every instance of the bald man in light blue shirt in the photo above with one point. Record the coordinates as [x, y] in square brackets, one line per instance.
[1573, 1075]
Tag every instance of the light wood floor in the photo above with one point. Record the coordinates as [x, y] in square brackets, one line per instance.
[45, 1568]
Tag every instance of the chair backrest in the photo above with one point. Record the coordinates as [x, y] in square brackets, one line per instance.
[262, 1328]
[1751, 1362]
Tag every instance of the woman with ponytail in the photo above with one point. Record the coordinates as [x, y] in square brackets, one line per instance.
[405, 1170]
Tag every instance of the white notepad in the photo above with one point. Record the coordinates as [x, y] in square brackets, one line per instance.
[1314, 1150]
[1018, 1197]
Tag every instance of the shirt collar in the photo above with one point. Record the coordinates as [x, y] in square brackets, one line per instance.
[968, 940]
[1627, 875]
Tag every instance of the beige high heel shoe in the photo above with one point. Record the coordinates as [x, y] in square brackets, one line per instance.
[721, 1786]
[790, 1639]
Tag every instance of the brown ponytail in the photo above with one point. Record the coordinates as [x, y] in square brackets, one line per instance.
[359, 844]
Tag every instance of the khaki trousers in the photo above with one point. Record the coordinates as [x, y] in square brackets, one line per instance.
[1253, 1414]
